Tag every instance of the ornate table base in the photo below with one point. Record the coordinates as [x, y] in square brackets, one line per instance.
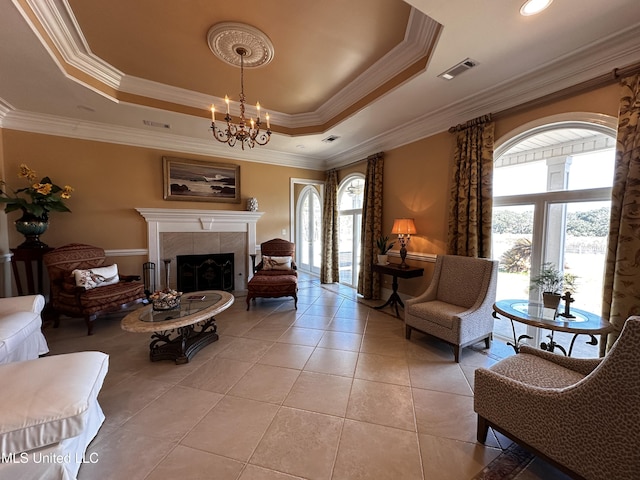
[578, 322]
[551, 345]
[185, 344]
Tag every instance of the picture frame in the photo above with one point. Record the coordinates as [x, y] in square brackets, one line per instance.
[200, 181]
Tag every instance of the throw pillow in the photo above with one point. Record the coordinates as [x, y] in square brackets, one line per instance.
[96, 277]
[276, 263]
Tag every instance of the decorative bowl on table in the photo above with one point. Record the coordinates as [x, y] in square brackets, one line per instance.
[165, 299]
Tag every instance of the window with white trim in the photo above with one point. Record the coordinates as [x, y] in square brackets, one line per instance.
[552, 197]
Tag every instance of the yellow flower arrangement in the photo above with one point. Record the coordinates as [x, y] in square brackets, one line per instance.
[38, 199]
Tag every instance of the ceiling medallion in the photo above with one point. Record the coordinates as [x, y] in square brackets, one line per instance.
[240, 45]
[225, 38]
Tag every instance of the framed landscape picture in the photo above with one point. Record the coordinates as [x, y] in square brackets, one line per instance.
[200, 181]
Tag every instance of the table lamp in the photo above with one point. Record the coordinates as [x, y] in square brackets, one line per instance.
[403, 227]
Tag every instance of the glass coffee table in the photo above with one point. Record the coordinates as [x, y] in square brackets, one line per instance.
[179, 333]
[534, 314]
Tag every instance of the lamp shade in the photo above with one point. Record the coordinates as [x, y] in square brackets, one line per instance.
[404, 226]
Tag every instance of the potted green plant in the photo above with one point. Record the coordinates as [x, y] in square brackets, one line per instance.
[35, 201]
[383, 247]
[551, 282]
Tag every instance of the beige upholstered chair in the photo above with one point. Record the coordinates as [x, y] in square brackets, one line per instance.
[580, 414]
[458, 305]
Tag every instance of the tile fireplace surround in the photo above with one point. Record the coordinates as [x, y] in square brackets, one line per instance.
[172, 232]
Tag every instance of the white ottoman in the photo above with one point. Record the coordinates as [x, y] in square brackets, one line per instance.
[49, 413]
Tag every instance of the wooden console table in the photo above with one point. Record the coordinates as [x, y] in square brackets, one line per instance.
[30, 258]
[395, 271]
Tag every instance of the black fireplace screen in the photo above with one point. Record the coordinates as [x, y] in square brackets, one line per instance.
[205, 272]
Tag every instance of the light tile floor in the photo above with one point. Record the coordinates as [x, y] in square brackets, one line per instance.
[331, 390]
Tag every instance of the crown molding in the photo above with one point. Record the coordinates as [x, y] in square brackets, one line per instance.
[420, 37]
[58, 21]
[579, 66]
[99, 132]
[585, 64]
[5, 109]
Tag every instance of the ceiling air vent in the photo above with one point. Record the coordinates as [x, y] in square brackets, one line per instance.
[330, 138]
[150, 123]
[458, 69]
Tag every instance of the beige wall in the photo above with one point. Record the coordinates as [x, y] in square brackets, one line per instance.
[417, 177]
[111, 180]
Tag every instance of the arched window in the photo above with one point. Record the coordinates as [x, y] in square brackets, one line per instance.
[350, 199]
[309, 231]
[552, 197]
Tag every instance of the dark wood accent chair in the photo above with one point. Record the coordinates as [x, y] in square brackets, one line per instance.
[273, 277]
[73, 301]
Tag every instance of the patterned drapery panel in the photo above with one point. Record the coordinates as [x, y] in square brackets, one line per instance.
[471, 199]
[329, 272]
[622, 270]
[368, 282]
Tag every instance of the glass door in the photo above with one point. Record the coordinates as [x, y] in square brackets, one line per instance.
[350, 199]
[309, 232]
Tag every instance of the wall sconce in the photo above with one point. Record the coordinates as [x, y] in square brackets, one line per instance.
[404, 228]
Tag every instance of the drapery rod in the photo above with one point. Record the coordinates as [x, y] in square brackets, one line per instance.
[471, 123]
[597, 82]
[601, 81]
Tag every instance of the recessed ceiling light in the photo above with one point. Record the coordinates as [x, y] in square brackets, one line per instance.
[531, 7]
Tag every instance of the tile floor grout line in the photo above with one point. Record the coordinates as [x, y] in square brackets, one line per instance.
[374, 327]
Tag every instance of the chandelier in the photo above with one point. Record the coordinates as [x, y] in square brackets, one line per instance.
[247, 133]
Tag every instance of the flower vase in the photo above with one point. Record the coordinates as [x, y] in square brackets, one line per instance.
[32, 227]
[252, 204]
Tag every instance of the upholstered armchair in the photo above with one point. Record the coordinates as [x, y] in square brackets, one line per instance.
[50, 413]
[580, 414]
[82, 286]
[276, 275]
[21, 336]
[457, 306]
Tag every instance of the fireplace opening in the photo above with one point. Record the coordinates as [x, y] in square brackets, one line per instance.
[205, 272]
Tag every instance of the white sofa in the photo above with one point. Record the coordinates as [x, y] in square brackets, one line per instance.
[49, 413]
[21, 336]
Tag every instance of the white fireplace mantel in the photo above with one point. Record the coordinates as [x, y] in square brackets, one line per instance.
[161, 220]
